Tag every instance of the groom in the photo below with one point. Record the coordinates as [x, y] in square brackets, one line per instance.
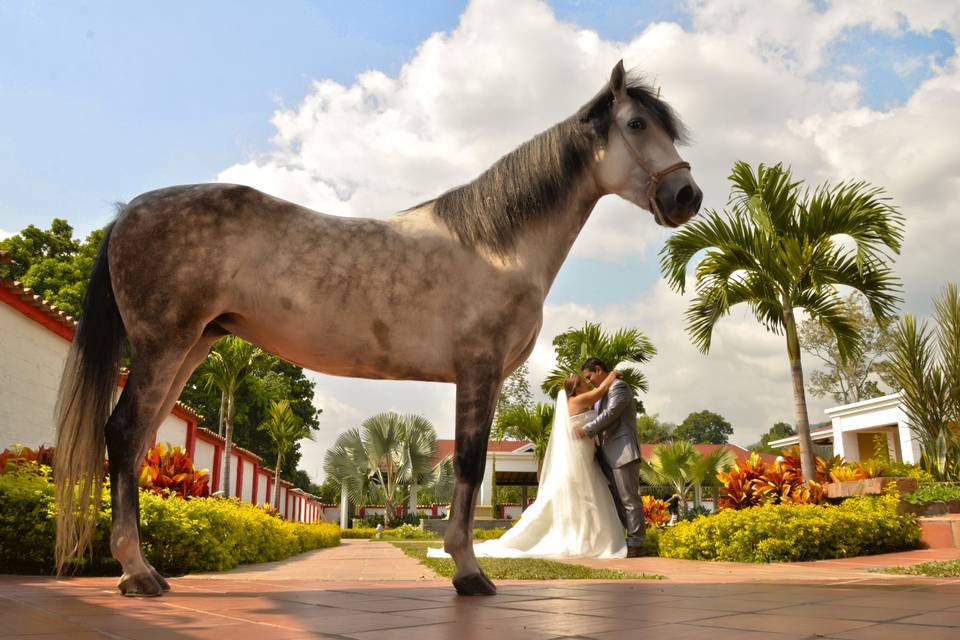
[619, 452]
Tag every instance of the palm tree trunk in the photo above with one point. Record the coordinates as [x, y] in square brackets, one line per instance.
[807, 466]
[228, 447]
[413, 496]
[276, 483]
[222, 415]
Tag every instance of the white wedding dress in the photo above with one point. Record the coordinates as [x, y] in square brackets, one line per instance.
[574, 514]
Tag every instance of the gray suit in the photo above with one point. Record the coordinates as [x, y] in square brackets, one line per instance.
[619, 455]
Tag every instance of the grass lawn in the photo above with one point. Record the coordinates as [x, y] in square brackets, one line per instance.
[940, 569]
[519, 568]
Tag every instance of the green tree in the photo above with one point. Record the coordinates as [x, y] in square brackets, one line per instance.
[285, 429]
[516, 390]
[419, 448]
[347, 465]
[574, 346]
[777, 250]
[704, 427]
[522, 423]
[680, 467]
[651, 430]
[931, 386]
[856, 378]
[440, 482]
[229, 362]
[52, 263]
[776, 432]
[282, 381]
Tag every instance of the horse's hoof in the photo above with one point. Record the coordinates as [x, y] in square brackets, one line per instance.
[474, 584]
[142, 585]
[164, 585]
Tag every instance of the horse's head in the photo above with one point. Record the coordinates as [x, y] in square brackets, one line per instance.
[637, 158]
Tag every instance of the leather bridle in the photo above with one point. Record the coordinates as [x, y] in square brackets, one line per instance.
[654, 176]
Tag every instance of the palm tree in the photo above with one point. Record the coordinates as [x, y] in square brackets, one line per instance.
[681, 467]
[931, 389]
[285, 429]
[521, 423]
[440, 480]
[777, 250]
[229, 363]
[347, 465]
[574, 346]
[419, 444]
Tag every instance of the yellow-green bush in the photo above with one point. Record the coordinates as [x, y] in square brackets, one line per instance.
[178, 536]
[863, 525]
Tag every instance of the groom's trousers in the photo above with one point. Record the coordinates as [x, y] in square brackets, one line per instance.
[625, 487]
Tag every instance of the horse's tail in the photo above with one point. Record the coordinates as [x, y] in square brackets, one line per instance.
[86, 398]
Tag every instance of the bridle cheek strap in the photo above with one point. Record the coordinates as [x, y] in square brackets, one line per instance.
[654, 176]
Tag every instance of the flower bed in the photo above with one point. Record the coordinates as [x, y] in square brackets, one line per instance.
[178, 535]
[863, 525]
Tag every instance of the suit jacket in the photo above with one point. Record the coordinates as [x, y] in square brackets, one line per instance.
[616, 426]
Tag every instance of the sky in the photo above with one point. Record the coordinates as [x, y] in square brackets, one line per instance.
[362, 109]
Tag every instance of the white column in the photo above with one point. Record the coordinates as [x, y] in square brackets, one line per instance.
[486, 487]
[909, 446]
[344, 506]
[838, 448]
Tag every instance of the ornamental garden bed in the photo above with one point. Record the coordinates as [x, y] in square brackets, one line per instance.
[869, 487]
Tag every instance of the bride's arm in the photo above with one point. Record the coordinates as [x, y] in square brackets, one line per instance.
[590, 398]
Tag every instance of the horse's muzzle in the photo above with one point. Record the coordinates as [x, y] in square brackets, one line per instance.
[678, 199]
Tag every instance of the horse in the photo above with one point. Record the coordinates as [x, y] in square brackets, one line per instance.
[451, 290]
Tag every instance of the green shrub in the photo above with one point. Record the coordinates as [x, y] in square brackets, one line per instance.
[408, 532]
[934, 492]
[488, 534]
[863, 525]
[358, 533]
[178, 536]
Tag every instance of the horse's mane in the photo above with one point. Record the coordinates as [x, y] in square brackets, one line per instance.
[533, 178]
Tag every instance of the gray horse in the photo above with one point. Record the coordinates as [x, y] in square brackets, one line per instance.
[451, 290]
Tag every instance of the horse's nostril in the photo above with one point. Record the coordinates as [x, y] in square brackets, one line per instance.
[685, 197]
[697, 201]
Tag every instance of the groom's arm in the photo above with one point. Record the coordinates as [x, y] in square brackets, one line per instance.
[619, 399]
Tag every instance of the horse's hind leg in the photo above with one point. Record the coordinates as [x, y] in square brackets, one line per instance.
[477, 390]
[157, 375]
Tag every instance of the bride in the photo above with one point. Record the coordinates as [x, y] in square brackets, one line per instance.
[574, 514]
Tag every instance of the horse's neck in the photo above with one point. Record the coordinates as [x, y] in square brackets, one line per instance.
[544, 245]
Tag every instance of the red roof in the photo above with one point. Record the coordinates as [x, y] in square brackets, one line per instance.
[445, 447]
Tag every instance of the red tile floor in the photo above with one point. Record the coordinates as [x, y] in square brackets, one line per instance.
[368, 590]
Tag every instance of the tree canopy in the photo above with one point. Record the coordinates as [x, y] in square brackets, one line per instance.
[858, 377]
[704, 427]
[53, 263]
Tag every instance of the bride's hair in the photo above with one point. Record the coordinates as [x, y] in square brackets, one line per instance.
[570, 384]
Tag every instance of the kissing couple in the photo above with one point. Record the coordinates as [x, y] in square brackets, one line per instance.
[590, 481]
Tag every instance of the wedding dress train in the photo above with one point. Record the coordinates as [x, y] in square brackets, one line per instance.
[574, 514]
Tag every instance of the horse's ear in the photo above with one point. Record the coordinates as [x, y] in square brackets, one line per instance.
[618, 83]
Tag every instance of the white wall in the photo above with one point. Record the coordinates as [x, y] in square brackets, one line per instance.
[247, 486]
[283, 502]
[31, 363]
[203, 457]
[262, 497]
[173, 431]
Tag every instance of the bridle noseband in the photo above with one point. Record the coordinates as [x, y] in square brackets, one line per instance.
[654, 176]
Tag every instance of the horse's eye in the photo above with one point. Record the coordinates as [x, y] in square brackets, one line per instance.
[637, 123]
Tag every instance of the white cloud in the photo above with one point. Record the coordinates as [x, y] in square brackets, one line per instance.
[750, 81]
[4, 234]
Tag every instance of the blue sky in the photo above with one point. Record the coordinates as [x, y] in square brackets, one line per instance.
[101, 101]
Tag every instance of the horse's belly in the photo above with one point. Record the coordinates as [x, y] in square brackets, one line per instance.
[358, 348]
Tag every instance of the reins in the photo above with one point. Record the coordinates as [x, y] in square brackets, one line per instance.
[654, 176]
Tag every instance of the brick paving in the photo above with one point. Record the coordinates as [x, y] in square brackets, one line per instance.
[368, 590]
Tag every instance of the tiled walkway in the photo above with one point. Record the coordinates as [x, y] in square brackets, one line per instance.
[382, 597]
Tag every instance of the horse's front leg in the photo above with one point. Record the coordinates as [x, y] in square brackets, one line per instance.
[477, 389]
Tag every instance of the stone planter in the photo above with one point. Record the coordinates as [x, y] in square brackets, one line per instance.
[929, 509]
[871, 486]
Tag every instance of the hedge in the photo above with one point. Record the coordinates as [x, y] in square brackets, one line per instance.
[863, 525]
[179, 536]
